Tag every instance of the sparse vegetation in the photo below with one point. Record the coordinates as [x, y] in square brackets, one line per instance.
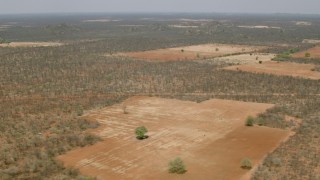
[177, 166]
[45, 90]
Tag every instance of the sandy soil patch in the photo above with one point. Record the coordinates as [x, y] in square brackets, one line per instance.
[5, 26]
[303, 23]
[182, 26]
[210, 137]
[196, 20]
[132, 25]
[280, 68]
[314, 53]
[251, 58]
[260, 27]
[30, 44]
[192, 52]
[311, 41]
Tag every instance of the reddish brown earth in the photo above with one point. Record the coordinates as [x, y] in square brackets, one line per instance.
[192, 52]
[314, 53]
[280, 68]
[210, 137]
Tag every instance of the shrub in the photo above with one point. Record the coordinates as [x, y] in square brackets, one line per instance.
[177, 166]
[125, 110]
[307, 54]
[249, 121]
[85, 178]
[79, 111]
[140, 132]
[260, 121]
[276, 162]
[246, 163]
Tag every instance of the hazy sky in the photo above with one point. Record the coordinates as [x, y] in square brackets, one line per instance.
[242, 6]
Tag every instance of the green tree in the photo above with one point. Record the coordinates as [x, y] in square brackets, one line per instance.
[141, 131]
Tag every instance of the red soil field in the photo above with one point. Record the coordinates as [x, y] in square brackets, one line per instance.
[314, 53]
[210, 137]
[280, 68]
[192, 52]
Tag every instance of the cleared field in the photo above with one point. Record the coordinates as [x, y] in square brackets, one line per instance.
[314, 53]
[192, 52]
[260, 27]
[100, 20]
[182, 26]
[303, 23]
[30, 44]
[311, 41]
[210, 137]
[253, 58]
[280, 68]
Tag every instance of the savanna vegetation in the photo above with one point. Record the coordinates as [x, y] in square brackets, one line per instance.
[44, 90]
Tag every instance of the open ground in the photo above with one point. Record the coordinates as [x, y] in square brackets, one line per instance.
[193, 52]
[280, 68]
[30, 44]
[210, 137]
[251, 58]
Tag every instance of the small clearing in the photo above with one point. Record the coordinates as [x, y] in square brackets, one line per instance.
[311, 41]
[303, 23]
[100, 20]
[260, 27]
[280, 68]
[30, 44]
[195, 20]
[314, 53]
[194, 52]
[182, 26]
[132, 25]
[251, 58]
[210, 137]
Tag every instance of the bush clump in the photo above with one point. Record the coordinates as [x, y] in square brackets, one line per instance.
[140, 132]
[246, 163]
[307, 54]
[249, 121]
[260, 121]
[177, 166]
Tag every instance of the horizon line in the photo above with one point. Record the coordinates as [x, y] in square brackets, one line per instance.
[164, 13]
